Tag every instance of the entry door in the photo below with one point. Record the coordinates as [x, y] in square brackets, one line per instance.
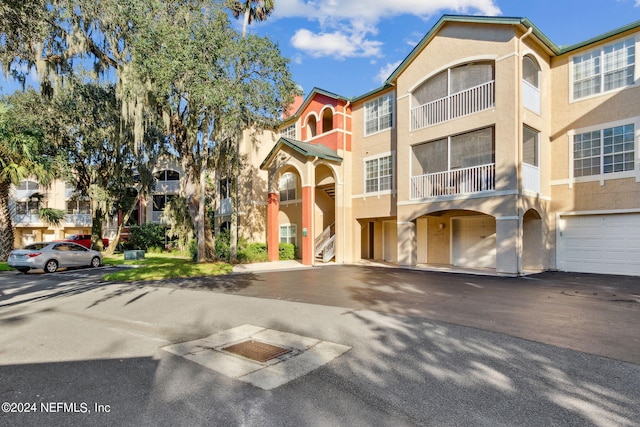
[474, 242]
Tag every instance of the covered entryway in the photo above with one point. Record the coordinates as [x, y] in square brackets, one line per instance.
[474, 242]
[606, 243]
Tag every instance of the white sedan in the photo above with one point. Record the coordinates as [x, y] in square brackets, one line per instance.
[49, 256]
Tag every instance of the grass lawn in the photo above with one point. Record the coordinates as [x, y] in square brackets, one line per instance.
[163, 266]
[5, 267]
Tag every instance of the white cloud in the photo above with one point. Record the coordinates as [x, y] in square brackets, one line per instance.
[386, 71]
[347, 27]
[338, 43]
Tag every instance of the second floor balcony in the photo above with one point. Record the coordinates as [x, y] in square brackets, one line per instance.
[453, 182]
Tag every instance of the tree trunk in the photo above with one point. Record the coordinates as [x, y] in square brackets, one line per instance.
[245, 21]
[6, 226]
[233, 226]
[116, 239]
[194, 195]
[96, 229]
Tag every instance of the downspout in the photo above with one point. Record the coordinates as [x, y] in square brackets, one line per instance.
[520, 247]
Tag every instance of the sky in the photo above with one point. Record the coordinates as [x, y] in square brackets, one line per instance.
[350, 47]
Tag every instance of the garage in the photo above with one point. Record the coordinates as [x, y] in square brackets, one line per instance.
[474, 242]
[605, 243]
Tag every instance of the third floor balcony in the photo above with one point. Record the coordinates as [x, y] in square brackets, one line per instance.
[464, 103]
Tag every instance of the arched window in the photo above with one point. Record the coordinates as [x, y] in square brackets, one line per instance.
[531, 84]
[531, 72]
[311, 127]
[167, 175]
[287, 186]
[327, 120]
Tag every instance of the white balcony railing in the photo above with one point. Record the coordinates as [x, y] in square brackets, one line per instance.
[460, 104]
[459, 181]
[27, 219]
[78, 219]
[530, 178]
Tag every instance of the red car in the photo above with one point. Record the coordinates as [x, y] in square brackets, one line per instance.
[83, 239]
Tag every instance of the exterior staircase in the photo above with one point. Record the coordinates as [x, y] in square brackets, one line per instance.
[325, 244]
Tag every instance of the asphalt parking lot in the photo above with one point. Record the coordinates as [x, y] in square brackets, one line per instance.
[424, 349]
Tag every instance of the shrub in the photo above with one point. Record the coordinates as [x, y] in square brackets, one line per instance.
[146, 236]
[223, 246]
[254, 252]
[193, 249]
[287, 251]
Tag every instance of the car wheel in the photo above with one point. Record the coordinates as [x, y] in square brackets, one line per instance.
[95, 262]
[23, 269]
[51, 266]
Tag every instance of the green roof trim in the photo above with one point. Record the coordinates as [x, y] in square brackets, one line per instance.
[501, 20]
[612, 33]
[307, 100]
[304, 148]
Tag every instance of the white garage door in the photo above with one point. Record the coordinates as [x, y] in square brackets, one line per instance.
[474, 242]
[608, 244]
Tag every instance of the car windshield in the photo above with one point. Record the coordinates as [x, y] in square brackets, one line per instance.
[36, 246]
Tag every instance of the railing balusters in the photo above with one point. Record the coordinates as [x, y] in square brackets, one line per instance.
[453, 106]
[458, 181]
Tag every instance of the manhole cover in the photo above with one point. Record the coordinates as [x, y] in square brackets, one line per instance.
[256, 350]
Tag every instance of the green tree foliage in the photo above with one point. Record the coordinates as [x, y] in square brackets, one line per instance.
[179, 61]
[250, 11]
[23, 153]
[146, 236]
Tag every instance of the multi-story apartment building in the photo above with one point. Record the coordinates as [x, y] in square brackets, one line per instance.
[488, 147]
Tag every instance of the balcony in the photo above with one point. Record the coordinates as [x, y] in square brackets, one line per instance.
[78, 219]
[459, 181]
[25, 220]
[460, 104]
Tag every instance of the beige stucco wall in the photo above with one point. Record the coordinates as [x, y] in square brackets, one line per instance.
[571, 116]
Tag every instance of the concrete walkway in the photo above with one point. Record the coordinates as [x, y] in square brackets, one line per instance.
[263, 267]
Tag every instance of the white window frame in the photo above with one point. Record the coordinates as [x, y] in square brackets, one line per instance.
[378, 102]
[295, 188]
[291, 234]
[289, 131]
[377, 158]
[602, 177]
[599, 52]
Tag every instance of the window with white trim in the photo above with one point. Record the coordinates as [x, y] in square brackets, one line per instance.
[287, 187]
[604, 151]
[378, 114]
[289, 131]
[288, 233]
[607, 68]
[378, 174]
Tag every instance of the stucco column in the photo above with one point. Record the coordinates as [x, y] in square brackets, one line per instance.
[407, 253]
[508, 236]
[273, 230]
[307, 225]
